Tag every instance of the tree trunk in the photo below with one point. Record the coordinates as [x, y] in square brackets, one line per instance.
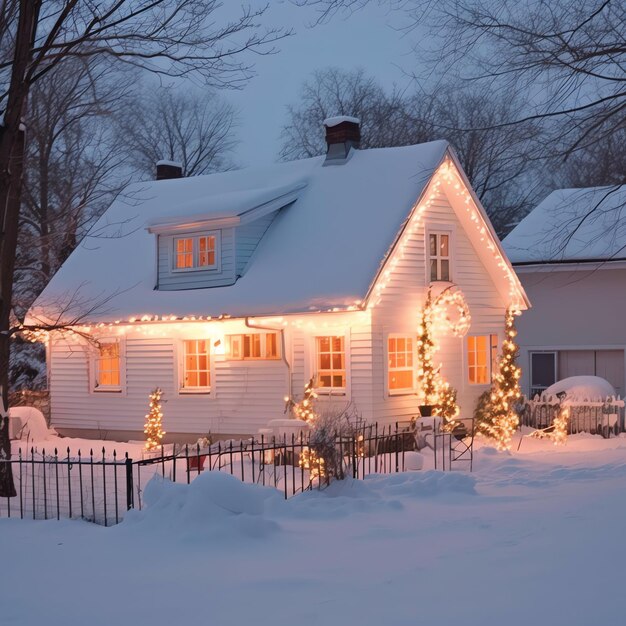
[11, 166]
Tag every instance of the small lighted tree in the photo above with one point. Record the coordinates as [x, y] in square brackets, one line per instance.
[304, 409]
[153, 428]
[502, 421]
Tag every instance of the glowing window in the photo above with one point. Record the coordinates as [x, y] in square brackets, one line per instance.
[199, 252]
[439, 256]
[254, 346]
[184, 253]
[196, 364]
[400, 360]
[331, 363]
[479, 358]
[108, 366]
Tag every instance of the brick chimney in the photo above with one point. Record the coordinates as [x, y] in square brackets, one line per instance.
[168, 169]
[342, 134]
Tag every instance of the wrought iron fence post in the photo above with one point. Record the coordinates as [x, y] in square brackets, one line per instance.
[130, 495]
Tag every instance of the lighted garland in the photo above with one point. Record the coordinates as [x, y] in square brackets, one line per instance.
[436, 391]
[153, 426]
[502, 420]
[451, 300]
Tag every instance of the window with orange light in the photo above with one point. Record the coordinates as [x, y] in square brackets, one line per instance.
[108, 366]
[254, 346]
[331, 363]
[400, 364]
[196, 366]
[197, 252]
[480, 357]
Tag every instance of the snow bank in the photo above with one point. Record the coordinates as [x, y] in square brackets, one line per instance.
[29, 423]
[215, 504]
[377, 493]
[582, 389]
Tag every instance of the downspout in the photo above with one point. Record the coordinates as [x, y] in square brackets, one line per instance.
[283, 348]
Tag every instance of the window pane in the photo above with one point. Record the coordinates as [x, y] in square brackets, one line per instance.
[445, 270]
[391, 345]
[433, 245]
[401, 359]
[444, 245]
[392, 359]
[325, 381]
[324, 344]
[542, 369]
[433, 269]
[401, 380]
[271, 345]
[324, 361]
[337, 361]
[337, 344]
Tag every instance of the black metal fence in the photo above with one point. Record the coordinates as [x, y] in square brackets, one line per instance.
[100, 487]
[597, 418]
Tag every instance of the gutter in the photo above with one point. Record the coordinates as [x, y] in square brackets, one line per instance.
[283, 348]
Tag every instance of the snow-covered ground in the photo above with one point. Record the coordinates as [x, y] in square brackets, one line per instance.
[532, 537]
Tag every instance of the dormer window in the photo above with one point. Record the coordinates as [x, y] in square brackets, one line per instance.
[198, 252]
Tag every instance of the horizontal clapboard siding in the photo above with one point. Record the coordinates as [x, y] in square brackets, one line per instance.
[401, 302]
[247, 239]
[245, 395]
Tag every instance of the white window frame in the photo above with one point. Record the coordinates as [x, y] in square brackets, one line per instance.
[180, 383]
[335, 391]
[195, 237]
[450, 231]
[239, 339]
[93, 369]
[488, 356]
[407, 390]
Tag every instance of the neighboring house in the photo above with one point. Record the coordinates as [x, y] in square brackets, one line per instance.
[231, 291]
[570, 254]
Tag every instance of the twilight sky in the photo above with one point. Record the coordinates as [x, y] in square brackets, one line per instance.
[364, 39]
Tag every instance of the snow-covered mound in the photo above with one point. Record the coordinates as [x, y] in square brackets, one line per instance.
[214, 505]
[582, 389]
[29, 423]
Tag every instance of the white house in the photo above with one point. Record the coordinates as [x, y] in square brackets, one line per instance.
[231, 291]
[570, 254]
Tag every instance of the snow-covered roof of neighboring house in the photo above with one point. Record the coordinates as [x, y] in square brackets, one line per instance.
[572, 225]
[321, 252]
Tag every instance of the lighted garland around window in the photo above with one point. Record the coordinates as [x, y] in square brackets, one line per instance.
[501, 420]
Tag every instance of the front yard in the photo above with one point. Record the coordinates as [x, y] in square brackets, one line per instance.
[534, 536]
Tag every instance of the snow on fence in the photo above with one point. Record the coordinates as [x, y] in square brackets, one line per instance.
[601, 417]
[100, 487]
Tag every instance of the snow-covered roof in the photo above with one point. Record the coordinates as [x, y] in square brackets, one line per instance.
[321, 252]
[572, 225]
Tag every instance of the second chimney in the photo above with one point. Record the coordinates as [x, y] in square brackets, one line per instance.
[168, 169]
[342, 134]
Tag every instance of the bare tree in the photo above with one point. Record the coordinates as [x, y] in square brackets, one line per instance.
[331, 91]
[497, 159]
[192, 127]
[167, 37]
[570, 55]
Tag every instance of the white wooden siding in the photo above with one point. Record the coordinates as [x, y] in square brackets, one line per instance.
[247, 238]
[197, 278]
[401, 302]
[245, 395]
